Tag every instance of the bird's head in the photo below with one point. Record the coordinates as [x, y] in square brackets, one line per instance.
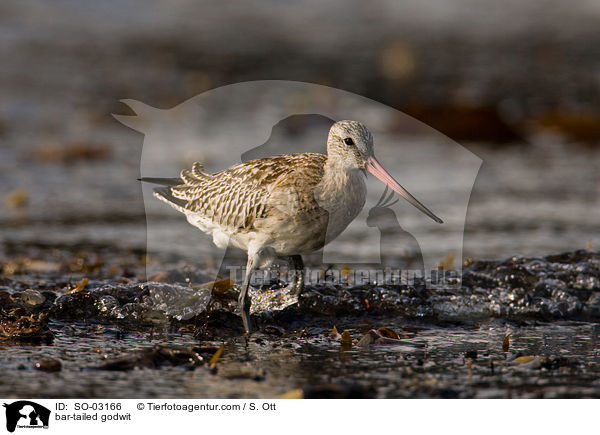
[350, 144]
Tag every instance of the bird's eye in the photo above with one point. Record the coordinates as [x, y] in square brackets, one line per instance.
[348, 141]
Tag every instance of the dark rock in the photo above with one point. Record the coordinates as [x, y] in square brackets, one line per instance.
[49, 365]
[338, 391]
[162, 355]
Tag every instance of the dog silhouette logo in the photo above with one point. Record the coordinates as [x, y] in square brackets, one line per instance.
[26, 414]
[231, 124]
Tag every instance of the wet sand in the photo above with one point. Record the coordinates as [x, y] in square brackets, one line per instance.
[419, 340]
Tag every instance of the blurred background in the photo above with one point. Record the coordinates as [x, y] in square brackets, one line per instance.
[516, 83]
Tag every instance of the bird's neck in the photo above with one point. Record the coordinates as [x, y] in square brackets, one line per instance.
[337, 177]
[342, 192]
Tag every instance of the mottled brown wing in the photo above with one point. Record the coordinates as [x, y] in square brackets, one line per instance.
[240, 196]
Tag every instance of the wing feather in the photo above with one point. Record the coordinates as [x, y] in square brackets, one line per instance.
[239, 197]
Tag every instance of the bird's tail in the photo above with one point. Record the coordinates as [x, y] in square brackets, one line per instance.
[162, 181]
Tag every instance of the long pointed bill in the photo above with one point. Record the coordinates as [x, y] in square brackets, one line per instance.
[376, 169]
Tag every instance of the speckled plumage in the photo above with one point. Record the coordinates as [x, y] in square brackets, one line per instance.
[281, 206]
[246, 197]
[272, 207]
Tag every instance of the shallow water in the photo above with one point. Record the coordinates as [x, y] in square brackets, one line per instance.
[439, 339]
[431, 361]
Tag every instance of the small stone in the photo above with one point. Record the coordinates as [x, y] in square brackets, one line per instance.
[49, 365]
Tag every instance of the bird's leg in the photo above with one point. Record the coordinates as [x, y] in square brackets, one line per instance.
[243, 299]
[296, 267]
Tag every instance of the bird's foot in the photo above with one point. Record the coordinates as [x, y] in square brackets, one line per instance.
[293, 288]
[247, 324]
[296, 284]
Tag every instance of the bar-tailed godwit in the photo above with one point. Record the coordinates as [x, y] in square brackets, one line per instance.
[282, 206]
